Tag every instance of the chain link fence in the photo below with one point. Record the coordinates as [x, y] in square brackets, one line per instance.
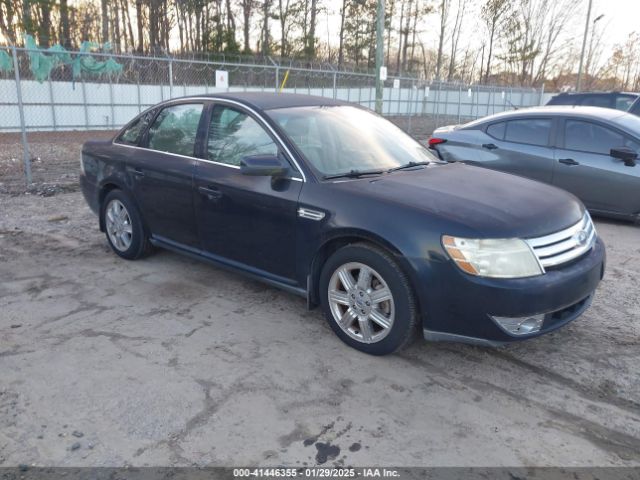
[46, 118]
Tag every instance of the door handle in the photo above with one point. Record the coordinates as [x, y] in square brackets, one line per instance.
[569, 161]
[211, 192]
[489, 146]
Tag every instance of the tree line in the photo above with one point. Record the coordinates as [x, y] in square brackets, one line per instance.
[513, 42]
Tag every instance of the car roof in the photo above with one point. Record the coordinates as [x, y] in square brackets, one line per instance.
[595, 113]
[624, 120]
[269, 100]
[577, 94]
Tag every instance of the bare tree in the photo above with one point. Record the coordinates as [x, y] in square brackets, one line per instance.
[594, 53]
[444, 14]
[266, 6]
[104, 5]
[140, 25]
[455, 38]
[126, 17]
[27, 19]
[390, 5]
[493, 11]
[247, 12]
[400, 37]
[64, 32]
[310, 37]
[405, 34]
[9, 10]
[550, 21]
[343, 13]
[623, 67]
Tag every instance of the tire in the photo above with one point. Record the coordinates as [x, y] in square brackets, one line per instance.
[376, 314]
[127, 236]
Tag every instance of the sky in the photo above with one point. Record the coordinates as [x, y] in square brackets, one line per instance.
[621, 17]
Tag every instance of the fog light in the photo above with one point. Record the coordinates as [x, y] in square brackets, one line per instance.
[520, 325]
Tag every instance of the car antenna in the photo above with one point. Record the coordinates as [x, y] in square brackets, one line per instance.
[511, 103]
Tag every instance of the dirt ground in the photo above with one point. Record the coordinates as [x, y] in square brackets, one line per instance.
[55, 158]
[168, 361]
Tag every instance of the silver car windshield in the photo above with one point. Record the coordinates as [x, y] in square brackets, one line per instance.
[342, 139]
[629, 121]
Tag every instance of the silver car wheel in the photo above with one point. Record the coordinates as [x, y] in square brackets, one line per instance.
[361, 302]
[118, 225]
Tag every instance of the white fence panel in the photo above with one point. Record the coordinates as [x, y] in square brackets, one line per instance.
[67, 105]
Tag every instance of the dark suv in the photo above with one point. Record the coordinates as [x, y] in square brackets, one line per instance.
[635, 108]
[616, 100]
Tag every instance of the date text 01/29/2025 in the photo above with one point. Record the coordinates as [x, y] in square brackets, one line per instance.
[315, 472]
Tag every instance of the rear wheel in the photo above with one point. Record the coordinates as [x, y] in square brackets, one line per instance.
[368, 300]
[123, 226]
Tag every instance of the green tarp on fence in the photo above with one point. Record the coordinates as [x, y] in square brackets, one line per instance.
[6, 64]
[42, 62]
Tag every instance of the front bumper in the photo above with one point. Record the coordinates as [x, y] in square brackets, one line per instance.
[460, 307]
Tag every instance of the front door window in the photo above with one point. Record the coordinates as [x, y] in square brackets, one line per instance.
[234, 135]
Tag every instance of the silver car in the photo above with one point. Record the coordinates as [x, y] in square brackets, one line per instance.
[589, 151]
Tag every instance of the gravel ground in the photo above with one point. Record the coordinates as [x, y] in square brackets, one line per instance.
[54, 157]
[168, 361]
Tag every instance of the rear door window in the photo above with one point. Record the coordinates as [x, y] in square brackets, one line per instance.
[532, 131]
[175, 129]
[496, 130]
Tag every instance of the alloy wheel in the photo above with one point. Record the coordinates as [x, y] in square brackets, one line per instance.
[118, 225]
[361, 302]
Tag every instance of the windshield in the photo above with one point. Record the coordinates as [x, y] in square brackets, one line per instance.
[628, 121]
[343, 139]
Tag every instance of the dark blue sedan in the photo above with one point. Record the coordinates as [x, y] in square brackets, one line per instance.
[332, 202]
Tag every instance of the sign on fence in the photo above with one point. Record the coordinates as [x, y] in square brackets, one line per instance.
[222, 79]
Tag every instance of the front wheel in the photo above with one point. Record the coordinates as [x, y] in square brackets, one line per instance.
[368, 300]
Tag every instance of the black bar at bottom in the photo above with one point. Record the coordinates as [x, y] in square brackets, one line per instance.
[24, 472]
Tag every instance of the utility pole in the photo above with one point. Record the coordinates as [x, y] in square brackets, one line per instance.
[584, 44]
[379, 54]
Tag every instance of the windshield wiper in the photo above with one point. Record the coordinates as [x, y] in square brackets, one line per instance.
[354, 174]
[408, 165]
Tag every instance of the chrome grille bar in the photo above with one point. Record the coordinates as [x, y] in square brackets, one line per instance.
[568, 244]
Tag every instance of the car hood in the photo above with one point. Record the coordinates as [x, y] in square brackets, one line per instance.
[493, 204]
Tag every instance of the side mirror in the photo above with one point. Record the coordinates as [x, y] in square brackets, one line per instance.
[263, 166]
[626, 154]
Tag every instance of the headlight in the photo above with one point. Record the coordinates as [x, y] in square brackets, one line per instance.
[498, 258]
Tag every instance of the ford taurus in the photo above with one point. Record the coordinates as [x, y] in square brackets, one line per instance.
[329, 201]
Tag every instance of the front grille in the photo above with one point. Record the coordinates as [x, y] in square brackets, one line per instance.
[562, 247]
